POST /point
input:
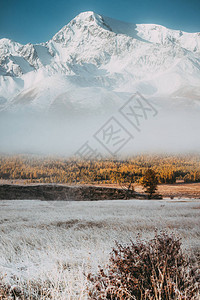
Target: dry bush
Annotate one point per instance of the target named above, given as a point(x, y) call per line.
point(157, 269)
point(8, 292)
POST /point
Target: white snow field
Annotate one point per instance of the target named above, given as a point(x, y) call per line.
point(54, 96)
point(52, 244)
point(96, 59)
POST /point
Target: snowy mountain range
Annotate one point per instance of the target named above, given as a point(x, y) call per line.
point(95, 62)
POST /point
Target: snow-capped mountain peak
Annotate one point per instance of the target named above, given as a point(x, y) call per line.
point(96, 53)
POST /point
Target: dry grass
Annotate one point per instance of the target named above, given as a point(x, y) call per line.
point(157, 269)
point(47, 247)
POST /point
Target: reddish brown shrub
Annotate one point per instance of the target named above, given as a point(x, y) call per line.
point(157, 269)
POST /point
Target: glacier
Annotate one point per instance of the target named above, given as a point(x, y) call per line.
point(96, 55)
point(55, 95)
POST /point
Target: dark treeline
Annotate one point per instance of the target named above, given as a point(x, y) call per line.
point(70, 171)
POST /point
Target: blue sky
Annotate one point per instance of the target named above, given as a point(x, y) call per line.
point(37, 21)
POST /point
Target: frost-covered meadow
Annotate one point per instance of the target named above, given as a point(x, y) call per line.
point(49, 246)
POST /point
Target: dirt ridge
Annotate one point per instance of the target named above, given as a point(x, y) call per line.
point(68, 193)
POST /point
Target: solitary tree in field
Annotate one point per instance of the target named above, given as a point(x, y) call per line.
point(150, 182)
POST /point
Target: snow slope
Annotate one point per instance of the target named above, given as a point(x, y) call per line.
point(95, 60)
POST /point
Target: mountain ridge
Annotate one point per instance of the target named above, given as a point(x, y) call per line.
point(98, 54)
